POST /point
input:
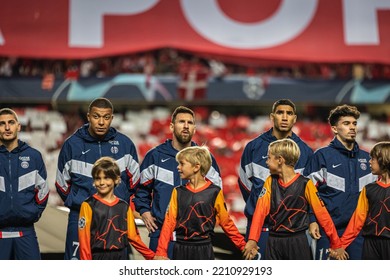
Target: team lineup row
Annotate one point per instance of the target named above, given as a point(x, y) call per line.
point(177, 190)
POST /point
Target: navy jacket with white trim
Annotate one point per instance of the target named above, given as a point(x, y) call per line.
point(254, 170)
point(23, 189)
point(339, 175)
point(80, 151)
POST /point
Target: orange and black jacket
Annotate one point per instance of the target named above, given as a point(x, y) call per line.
point(193, 214)
point(105, 226)
point(372, 214)
point(287, 206)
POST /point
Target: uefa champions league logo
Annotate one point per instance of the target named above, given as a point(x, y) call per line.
point(254, 87)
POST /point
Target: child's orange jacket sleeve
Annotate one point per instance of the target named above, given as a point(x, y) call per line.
point(262, 209)
point(227, 223)
point(84, 230)
point(168, 226)
point(357, 220)
point(134, 237)
point(322, 215)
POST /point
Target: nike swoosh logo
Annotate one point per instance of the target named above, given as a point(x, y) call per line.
point(84, 152)
point(264, 157)
point(164, 160)
point(336, 165)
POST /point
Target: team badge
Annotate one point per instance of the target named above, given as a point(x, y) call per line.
point(25, 159)
point(114, 150)
point(82, 223)
point(363, 166)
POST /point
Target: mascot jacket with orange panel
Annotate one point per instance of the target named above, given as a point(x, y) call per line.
point(159, 176)
point(254, 170)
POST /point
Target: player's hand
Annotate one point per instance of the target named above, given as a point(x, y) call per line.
point(314, 230)
point(149, 221)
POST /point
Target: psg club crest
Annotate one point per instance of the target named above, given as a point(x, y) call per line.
point(114, 149)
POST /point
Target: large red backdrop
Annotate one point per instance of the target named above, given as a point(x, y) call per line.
point(246, 30)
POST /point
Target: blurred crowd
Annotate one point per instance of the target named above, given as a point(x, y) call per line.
point(170, 61)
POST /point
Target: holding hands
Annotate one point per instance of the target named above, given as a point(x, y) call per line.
point(338, 254)
point(160, 258)
point(250, 250)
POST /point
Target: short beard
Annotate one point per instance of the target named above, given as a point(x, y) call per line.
point(8, 141)
point(181, 140)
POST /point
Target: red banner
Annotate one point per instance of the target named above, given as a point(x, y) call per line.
point(246, 31)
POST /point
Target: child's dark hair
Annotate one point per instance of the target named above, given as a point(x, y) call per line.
point(381, 151)
point(109, 167)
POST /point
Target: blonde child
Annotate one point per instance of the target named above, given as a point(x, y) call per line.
point(106, 223)
point(286, 198)
point(194, 210)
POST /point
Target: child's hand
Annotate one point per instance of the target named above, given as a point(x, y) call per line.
point(159, 258)
point(250, 250)
point(338, 254)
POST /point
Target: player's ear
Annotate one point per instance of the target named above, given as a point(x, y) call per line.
point(334, 129)
point(295, 119)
